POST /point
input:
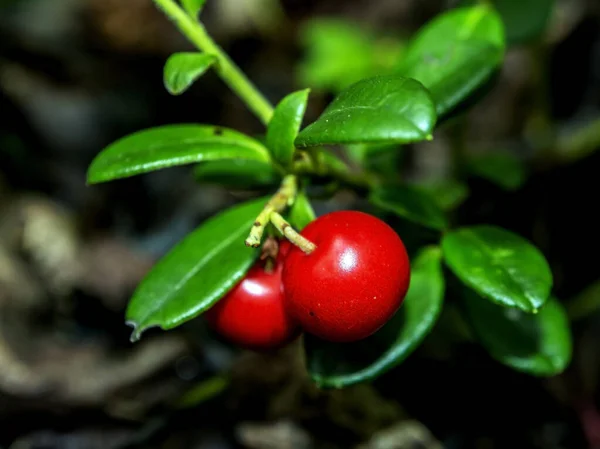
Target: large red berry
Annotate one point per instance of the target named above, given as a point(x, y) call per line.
point(352, 283)
point(252, 315)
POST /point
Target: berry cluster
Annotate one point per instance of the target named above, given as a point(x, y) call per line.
point(344, 290)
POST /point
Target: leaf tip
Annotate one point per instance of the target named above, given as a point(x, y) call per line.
point(92, 179)
point(136, 333)
point(172, 91)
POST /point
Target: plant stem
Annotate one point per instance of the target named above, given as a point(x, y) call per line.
point(319, 164)
point(226, 68)
point(283, 198)
point(286, 229)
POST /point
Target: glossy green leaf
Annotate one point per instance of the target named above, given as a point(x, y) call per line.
point(539, 344)
point(183, 69)
point(455, 54)
point(197, 272)
point(410, 203)
point(193, 7)
point(338, 53)
point(501, 168)
point(448, 194)
point(501, 266)
point(237, 173)
point(382, 109)
point(171, 145)
point(335, 365)
point(301, 212)
point(284, 126)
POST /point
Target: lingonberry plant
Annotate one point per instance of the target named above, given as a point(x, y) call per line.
point(347, 279)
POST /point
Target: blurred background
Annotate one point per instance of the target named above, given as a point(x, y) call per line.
point(77, 74)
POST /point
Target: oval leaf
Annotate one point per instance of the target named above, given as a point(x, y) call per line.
point(501, 168)
point(388, 108)
point(237, 173)
point(284, 126)
point(183, 69)
point(301, 212)
point(448, 194)
point(539, 344)
point(410, 203)
point(499, 265)
point(335, 365)
point(338, 53)
point(455, 54)
point(197, 272)
point(171, 145)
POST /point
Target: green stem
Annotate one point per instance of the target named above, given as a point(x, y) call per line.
point(286, 229)
point(283, 198)
point(226, 68)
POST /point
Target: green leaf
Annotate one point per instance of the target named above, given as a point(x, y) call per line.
point(501, 168)
point(197, 272)
point(171, 145)
point(183, 69)
point(410, 203)
point(361, 152)
point(577, 142)
point(338, 53)
point(524, 21)
point(382, 109)
point(499, 265)
point(335, 365)
point(448, 194)
point(383, 158)
point(193, 7)
point(284, 126)
point(301, 212)
point(539, 344)
point(586, 303)
point(328, 162)
point(455, 53)
point(237, 173)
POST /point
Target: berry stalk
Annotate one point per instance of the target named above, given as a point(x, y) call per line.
point(284, 197)
point(286, 229)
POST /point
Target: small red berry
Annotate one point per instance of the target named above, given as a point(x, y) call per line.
point(252, 315)
point(352, 283)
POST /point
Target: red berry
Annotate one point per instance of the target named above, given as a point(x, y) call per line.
point(352, 283)
point(252, 315)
